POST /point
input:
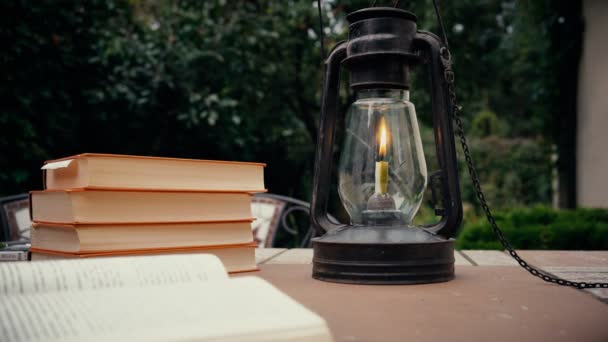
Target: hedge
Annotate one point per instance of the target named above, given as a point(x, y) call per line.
point(540, 228)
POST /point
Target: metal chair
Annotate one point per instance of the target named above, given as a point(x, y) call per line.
point(274, 217)
point(15, 218)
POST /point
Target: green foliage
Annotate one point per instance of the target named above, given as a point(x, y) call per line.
point(46, 77)
point(486, 123)
point(540, 228)
point(514, 172)
point(241, 80)
point(234, 80)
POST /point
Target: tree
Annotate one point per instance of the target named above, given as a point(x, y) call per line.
point(241, 80)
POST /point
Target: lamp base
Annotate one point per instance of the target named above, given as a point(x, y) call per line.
point(382, 255)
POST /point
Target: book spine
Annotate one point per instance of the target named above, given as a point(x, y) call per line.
point(13, 256)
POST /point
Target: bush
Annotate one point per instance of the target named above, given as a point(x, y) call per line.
point(213, 79)
point(241, 80)
point(540, 228)
point(514, 172)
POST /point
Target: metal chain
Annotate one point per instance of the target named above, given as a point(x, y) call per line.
point(457, 115)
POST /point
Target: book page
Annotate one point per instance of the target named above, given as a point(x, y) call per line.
point(241, 309)
point(96, 273)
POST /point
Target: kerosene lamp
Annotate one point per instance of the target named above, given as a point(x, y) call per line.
point(382, 172)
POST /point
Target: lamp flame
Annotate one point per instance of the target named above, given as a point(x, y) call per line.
point(383, 138)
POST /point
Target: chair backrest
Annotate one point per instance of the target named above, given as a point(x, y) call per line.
point(15, 217)
point(267, 212)
point(273, 216)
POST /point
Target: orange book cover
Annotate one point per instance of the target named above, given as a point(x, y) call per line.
point(85, 225)
point(92, 238)
point(142, 173)
point(209, 249)
point(140, 251)
point(133, 199)
point(150, 157)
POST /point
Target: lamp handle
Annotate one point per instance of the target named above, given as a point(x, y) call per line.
point(431, 47)
point(325, 142)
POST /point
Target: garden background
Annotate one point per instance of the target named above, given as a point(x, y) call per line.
point(241, 80)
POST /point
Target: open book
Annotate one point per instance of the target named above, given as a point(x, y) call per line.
point(155, 298)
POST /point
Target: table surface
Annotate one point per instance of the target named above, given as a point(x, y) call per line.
point(490, 298)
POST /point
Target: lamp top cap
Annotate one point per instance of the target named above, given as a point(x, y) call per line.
point(380, 12)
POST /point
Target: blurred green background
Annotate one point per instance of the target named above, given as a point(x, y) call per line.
point(241, 80)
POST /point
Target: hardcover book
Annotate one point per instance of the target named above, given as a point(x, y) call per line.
point(91, 171)
point(236, 258)
point(130, 206)
point(90, 238)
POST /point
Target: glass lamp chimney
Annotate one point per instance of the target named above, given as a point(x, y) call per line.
point(382, 171)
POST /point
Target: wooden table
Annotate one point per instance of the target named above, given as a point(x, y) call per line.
point(491, 299)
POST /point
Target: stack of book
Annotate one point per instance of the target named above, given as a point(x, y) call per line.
point(98, 205)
